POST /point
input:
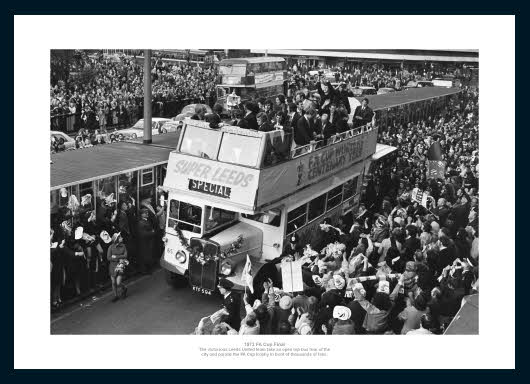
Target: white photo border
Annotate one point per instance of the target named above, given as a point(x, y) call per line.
point(493, 36)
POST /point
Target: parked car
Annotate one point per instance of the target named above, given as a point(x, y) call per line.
point(189, 111)
point(419, 84)
point(364, 91)
point(137, 130)
point(424, 83)
point(382, 91)
point(447, 82)
point(69, 142)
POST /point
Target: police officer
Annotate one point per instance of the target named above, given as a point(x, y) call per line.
point(230, 302)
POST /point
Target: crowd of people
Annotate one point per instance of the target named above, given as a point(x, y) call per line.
point(102, 238)
point(111, 91)
point(377, 75)
point(398, 266)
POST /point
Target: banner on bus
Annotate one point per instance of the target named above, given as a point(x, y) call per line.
point(212, 179)
point(283, 180)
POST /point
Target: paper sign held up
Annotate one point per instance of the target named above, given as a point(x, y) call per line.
point(292, 276)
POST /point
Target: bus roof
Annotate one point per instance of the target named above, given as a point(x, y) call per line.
point(83, 165)
point(252, 60)
point(411, 95)
point(381, 150)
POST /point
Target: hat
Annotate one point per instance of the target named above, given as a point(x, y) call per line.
point(286, 302)
point(381, 221)
point(63, 192)
point(384, 287)
point(86, 199)
point(115, 236)
point(110, 199)
point(104, 235)
point(342, 313)
point(226, 284)
point(339, 281)
point(256, 304)
point(359, 288)
point(277, 294)
point(253, 107)
point(410, 266)
point(78, 233)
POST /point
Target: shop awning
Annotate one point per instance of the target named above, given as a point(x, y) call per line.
point(366, 55)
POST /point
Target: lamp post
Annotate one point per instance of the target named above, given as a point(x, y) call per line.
point(148, 113)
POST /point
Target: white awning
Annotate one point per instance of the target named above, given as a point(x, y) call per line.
point(366, 55)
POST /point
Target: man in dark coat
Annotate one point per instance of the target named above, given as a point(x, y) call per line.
point(263, 124)
point(302, 132)
point(146, 235)
point(231, 303)
point(363, 114)
point(250, 116)
point(325, 129)
point(293, 116)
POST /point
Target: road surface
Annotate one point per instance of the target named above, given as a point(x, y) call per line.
point(152, 307)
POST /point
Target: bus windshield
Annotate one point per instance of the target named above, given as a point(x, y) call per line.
point(233, 69)
point(216, 218)
point(184, 216)
point(242, 150)
point(200, 142)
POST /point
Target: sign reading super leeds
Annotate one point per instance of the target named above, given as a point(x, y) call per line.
point(220, 180)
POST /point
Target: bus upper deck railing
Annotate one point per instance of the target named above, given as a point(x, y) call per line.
point(321, 144)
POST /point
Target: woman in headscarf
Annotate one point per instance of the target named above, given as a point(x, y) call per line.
point(117, 258)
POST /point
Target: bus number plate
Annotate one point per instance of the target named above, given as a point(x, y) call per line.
point(201, 290)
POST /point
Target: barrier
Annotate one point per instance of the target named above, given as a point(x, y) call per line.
point(70, 123)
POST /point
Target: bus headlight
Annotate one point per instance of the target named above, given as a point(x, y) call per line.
point(181, 257)
point(226, 268)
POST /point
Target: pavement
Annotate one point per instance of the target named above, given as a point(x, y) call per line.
point(152, 307)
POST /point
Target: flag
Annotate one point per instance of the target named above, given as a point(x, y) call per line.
point(419, 196)
point(247, 274)
point(435, 152)
point(435, 169)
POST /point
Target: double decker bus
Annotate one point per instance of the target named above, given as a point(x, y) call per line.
point(235, 192)
point(251, 78)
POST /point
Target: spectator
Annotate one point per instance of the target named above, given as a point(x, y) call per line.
point(117, 258)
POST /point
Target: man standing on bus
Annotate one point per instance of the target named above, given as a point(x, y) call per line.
point(363, 114)
point(250, 121)
point(303, 132)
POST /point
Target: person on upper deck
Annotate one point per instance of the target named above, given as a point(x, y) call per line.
point(250, 122)
point(324, 128)
point(363, 114)
point(303, 132)
point(263, 123)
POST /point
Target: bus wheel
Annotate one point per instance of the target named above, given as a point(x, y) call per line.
point(175, 280)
